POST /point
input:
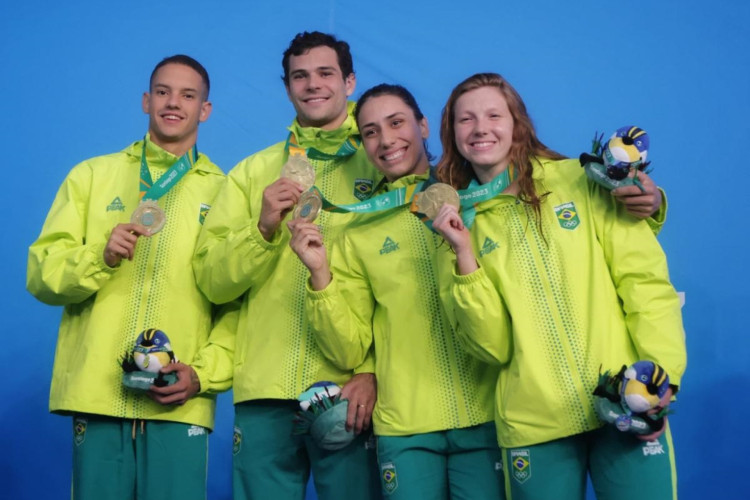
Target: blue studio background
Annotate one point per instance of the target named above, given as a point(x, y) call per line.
point(72, 78)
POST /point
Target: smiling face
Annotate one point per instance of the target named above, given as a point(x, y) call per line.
point(393, 137)
point(176, 105)
point(317, 88)
point(484, 131)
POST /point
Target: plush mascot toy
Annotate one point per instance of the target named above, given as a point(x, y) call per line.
point(152, 352)
point(323, 415)
point(625, 399)
point(609, 163)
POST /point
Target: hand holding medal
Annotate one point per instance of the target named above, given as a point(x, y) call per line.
point(445, 202)
point(299, 169)
point(121, 243)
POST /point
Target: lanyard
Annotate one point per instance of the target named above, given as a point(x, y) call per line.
point(348, 148)
point(150, 191)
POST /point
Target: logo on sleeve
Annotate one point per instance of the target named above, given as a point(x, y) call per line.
point(488, 246)
point(203, 213)
point(521, 465)
point(388, 246)
point(567, 215)
point(116, 205)
point(362, 188)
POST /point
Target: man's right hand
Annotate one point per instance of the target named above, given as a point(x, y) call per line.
point(121, 243)
point(278, 199)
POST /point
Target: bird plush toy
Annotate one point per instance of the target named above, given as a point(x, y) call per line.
point(609, 163)
point(152, 352)
point(626, 398)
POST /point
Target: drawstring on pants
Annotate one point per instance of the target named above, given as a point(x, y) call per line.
point(143, 427)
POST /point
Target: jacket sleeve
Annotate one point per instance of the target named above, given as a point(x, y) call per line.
point(368, 365)
point(214, 363)
point(231, 255)
point(658, 218)
point(477, 312)
point(341, 315)
point(638, 268)
point(63, 267)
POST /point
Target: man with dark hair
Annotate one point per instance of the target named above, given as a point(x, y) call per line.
point(243, 251)
point(190, 63)
point(115, 250)
point(303, 42)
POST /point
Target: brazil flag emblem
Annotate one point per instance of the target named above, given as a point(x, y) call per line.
point(567, 215)
point(362, 188)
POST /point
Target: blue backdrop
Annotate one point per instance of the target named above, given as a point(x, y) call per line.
point(72, 77)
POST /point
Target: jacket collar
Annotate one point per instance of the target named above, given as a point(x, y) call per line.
point(327, 141)
point(538, 166)
point(401, 182)
point(158, 157)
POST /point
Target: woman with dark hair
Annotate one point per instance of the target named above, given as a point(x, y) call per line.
point(554, 281)
point(434, 413)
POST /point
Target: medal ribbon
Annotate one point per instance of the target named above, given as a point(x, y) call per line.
point(348, 148)
point(385, 201)
point(469, 198)
point(150, 191)
point(475, 193)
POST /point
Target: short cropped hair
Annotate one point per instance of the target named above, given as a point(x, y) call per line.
point(185, 61)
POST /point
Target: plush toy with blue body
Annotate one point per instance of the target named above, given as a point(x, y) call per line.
point(609, 163)
point(625, 399)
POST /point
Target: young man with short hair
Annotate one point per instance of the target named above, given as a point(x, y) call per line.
point(244, 251)
point(120, 278)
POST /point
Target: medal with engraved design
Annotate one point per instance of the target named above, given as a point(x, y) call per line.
point(150, 215)
point(298, 169)
point(434, 197)
point(308, 207)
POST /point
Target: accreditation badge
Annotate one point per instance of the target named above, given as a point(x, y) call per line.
point(149, 214)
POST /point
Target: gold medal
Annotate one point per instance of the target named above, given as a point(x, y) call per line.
point(150, 215)
point(298, 169)
point(434, 197)
point(308, 207)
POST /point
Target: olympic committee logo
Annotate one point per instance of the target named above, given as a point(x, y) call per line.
point(236, 440)
point(203, 212)
point(520, 465)
point(79, 430)
point(389, 477)
point(362, 188)
point(567, 215)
